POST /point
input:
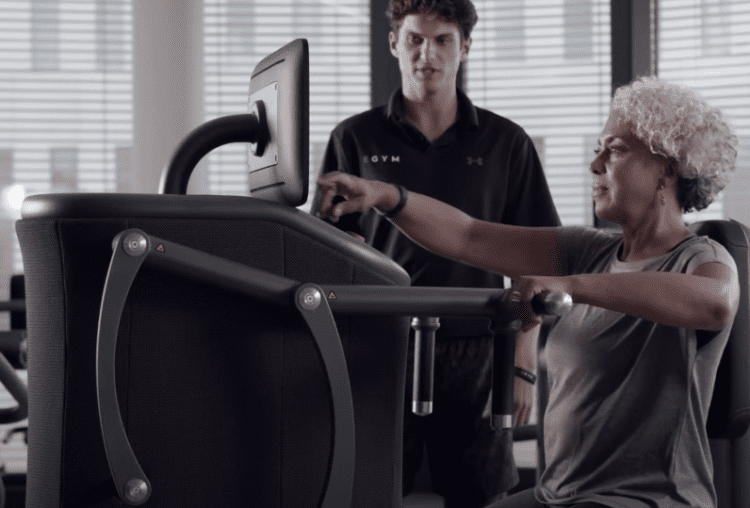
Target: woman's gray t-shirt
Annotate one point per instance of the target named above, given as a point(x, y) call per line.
point(628, 398)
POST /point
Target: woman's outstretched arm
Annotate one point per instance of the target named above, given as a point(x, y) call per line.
point(447, 231)
point(707, 299)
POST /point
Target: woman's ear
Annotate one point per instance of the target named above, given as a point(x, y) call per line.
point(671, 170)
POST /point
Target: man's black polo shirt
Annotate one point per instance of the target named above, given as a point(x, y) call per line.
point(484, 164)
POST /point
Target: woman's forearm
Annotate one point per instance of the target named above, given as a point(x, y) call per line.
point(685, 301)
point(434, 225)
point(449, 232)
point(526, 348)
point(446, 230)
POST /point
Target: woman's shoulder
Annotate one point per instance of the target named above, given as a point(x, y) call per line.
point(703, 249)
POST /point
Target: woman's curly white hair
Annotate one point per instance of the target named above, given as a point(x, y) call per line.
point(681, 127)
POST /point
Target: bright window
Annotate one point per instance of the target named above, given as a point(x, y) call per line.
point(546, 66)
point(65, 118)
point(239, 33)
point(705, 44)
point(65, 101)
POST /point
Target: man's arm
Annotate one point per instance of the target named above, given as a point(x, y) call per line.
point(336, 158)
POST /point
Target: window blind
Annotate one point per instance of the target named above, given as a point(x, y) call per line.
point(239, 33)
point(705, 45)
point(546, 66)
point(65, 100)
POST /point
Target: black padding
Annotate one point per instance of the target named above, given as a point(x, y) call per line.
point(729, 414)
point(17, 292)
point(223, 398)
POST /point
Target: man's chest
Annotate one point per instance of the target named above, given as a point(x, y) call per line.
point(465, 173)
point(390, 157)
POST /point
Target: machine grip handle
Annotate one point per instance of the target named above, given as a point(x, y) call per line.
point(424, 364)
point(504, 356)
point(555, 304)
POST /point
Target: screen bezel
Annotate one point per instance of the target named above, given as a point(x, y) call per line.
point(287, 180)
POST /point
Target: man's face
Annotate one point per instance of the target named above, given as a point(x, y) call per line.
point(429, 51)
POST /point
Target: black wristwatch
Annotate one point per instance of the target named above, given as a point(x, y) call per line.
point(403, 198)
point(526, 375)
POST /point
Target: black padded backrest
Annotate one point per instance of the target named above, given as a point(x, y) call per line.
point(729, 414)
point(223, 398)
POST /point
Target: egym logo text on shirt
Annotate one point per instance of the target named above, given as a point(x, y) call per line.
point(380, 158)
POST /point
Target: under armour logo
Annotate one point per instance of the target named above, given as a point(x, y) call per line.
point(479, 161)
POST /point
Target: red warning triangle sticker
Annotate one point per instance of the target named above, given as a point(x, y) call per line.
point(332, 296)
point(160, 248)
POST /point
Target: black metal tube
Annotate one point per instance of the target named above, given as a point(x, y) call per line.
point(244, 128)
point(504, 353)
point(414, 300)
point(424, 364)
point(14, 305)
point(221, 272)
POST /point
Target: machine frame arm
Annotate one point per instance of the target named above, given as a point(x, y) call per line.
point(133, 247)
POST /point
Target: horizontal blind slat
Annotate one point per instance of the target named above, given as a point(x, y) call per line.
point(705, 45)
point(237, 36)
point(548, 71)
point(65, 96)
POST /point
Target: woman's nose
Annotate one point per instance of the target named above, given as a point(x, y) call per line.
point(597, 166)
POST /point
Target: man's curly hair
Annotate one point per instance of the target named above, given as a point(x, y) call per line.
point(692, 136)
point(458, 11)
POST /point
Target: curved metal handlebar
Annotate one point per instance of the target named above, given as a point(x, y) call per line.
point(243, 128)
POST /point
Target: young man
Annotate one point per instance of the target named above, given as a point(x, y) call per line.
point(431, 139)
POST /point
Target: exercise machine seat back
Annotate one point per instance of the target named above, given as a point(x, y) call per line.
point(223, 397)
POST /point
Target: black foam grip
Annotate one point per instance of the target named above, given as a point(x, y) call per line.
point(504, 353)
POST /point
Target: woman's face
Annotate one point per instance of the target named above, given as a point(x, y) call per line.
point(625, 175)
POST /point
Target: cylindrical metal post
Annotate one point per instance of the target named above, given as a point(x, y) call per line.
point(424, 363)
point(504, 353)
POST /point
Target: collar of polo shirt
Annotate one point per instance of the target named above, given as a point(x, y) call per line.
point(466, 119)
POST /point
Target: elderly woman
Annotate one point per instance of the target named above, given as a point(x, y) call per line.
point(632, 366)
